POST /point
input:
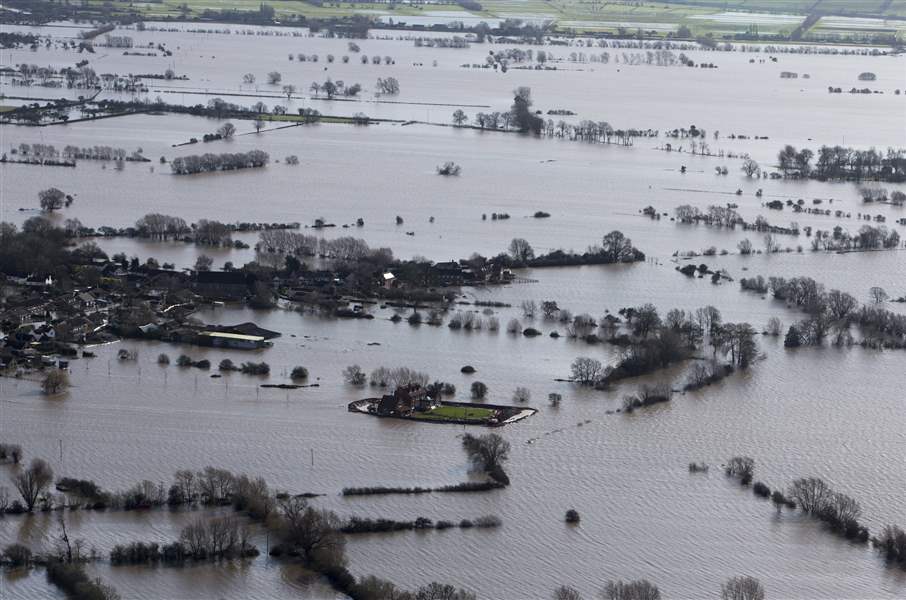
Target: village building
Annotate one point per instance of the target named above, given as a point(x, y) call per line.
point(405, 400)
point(233, 285)
point(239, 341)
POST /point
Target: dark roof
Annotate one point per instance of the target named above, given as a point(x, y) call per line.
point(222, 278)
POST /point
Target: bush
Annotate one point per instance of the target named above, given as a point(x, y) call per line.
point(300, 373)
point(252, 368)
point(479, 390)
point(521, 394)
point(742, 467)
point(54, 382)
point(12, 452)
point(163, 359)
point(760, 489)
point(72, 579)
point(17, 555)
point(354, 375)
point(572, 516)
point(415, 318)
point(514, 327)
point(488, 521)
point(183, 361)
point(227, 365)
point(202, 364)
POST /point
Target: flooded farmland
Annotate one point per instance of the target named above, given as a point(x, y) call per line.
point(828, 411)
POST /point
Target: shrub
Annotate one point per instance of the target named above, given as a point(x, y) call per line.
point(202, 364)
point(572, 516)
point(183, 361)
point(760, 489)
point(17, 555)
point(479, 390)
point(892, 542)
point(631, 590)
point(55, 382)
point(300, 373)
point(163, 359)
point(488, 521)
point(12, 452)
point(521, 394)
point(698, 467)
point(252, 368)
point(742, 467)
point(415, 318)
point(72, 579)
point(354, 375)
point(227, 365)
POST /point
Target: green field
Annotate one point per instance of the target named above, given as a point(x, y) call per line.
point(445, 413)
point(718, 17)
point(172, 8)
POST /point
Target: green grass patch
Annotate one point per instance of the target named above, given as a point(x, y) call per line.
point(446, 413)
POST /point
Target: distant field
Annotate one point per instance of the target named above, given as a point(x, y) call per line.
point(172, 8)
point(719, 17)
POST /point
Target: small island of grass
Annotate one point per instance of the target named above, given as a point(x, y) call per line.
point(412, 402)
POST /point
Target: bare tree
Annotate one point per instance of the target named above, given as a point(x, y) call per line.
point(750, 168)
point(289, 90)
point(51, 199)
point(55, 382)
point(315, 533)
point(742, 467)
point(522, 394)
point(878, 295)
point(528, 309)
point(259, 125)
point(617, 247)
point(521, 250)
point(487, 452)
point(587, 370)
point(742, 588)
point(840, 304)
point(460, 118)
point(631, 590)
point(811, 494)
point(227, 130)
point(354, 375)
point(33, 481)
point(565, 592)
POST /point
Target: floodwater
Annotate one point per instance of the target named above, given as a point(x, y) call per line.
point(833, 413)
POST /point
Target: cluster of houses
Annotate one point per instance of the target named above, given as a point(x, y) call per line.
point(41, 318)
point(107, 300)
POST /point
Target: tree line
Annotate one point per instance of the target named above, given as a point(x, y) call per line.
point(844, 163)
point(228, 161)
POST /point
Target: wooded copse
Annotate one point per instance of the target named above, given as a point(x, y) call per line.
point(228, 161)
point(842, 163)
